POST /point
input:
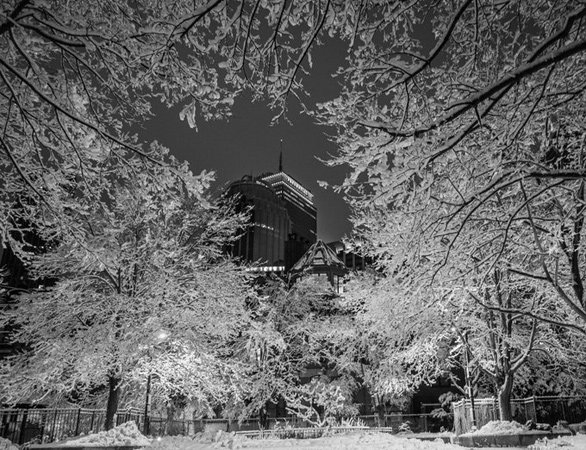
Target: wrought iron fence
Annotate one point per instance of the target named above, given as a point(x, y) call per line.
point(300, 433)
point(539, 409)
point(550, 409)
point(395, 422)
point(43, 425)
point(49, 425)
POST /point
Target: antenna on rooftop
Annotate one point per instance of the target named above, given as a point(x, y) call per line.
point(281, 157)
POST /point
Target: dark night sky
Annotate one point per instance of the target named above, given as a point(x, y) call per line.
point(247, 144)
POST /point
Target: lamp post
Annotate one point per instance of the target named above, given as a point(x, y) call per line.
point(161, 337)
point(467, 380)
point(145, 431)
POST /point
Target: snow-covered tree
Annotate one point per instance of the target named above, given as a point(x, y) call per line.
point(299, 345)
point(462, 122)
point(443, 73)
point(465, 147)
point(413, 334)
point(470, 139)
point(400, 342)
point(439, 235)
point(141, 256)
point(473, 81)
point(183, 377)
point(73, 72)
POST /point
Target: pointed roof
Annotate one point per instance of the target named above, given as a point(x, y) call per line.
point(320, 259)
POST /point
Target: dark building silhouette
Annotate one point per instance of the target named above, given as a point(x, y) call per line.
point(264, 240)
point(284, 220)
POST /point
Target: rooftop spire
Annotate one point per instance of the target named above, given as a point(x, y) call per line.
point(281, 157)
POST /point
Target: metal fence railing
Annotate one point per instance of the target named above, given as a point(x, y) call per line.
point(538, 409)
point(394, 422)
point(49, 425)
point(44, 425)
point(300, 433)
point(550, 409)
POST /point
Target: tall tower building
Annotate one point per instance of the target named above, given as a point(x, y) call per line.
point(302, 212)
point(284, 220)
point(264, 240)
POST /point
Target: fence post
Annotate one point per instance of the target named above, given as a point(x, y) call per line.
point(77, 421)
point(43, 425)
point(496, 411)
point(52, 435)
point(22, 427)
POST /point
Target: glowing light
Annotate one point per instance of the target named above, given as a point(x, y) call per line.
point(266, 269)
point(282, 178)
point(162, 335)
point(262, 225)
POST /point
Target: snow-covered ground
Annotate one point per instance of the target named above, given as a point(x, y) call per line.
point(358, 440)
point(125, 434)
point(5, 444)
point(355, 441)
point(128, 434)
point(570, 442)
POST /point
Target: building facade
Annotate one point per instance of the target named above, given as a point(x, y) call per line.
point(352, 260)
point(320, 260)
point(302, 212)
point(283, 224)
point(263, 242)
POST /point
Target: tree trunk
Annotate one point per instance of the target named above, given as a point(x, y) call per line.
point(281, 407)
point(381, 412)
point(169, 425)
point(263, 418)
point(504, 394)
point(112, 405)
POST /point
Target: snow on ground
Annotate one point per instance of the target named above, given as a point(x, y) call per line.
point(125, 434)
point(128, 434)
point(6, 444)
point(569, 442)
point(354, 441)
point(359, 440)
point(499, 427)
